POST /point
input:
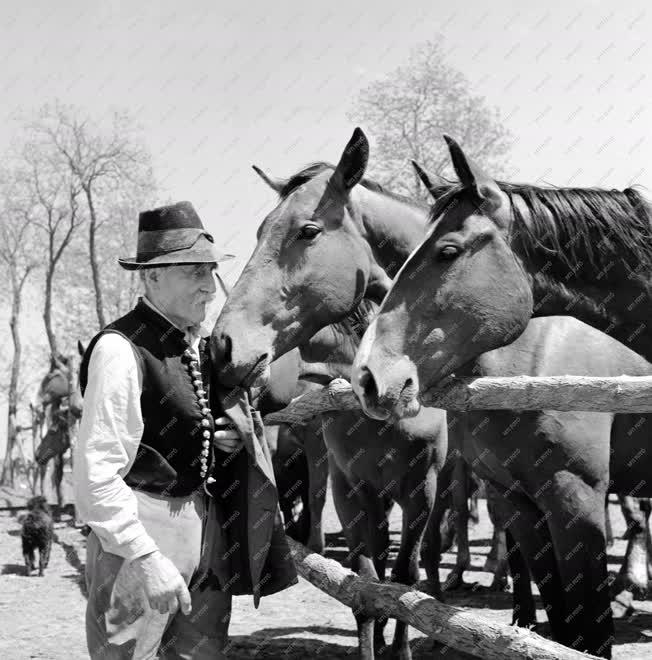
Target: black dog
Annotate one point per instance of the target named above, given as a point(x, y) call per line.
point(37, 533)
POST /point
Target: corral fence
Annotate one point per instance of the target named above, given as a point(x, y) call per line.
point(449, 625)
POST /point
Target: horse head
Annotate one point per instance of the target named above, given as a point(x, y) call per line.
point(317, 256)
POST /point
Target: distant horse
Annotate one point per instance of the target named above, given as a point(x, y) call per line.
point(450, 303)
point(59, 406)
point(298, 296)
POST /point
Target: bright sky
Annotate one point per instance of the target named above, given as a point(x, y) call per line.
point(218, 86)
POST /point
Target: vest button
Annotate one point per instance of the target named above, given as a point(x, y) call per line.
point(207, 434)
point(195, 373)
point(205, 411)
point(202, 401)
point(197, 383)
point(205, 423)
point(200, 393)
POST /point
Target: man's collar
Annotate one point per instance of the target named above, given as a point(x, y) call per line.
point(190, 337)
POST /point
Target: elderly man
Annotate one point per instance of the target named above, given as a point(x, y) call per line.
point(172, 475)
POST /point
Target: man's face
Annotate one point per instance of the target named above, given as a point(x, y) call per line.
point(186, 291)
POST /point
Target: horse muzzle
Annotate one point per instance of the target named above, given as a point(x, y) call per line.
point(384, 398)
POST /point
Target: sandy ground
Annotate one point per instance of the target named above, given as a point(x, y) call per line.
point(44, 617)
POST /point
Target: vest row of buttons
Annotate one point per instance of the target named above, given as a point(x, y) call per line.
point(198, 384)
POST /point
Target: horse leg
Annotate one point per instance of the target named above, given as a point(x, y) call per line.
point(632, 578)
point(460, 504)
point(497, 562)
point(609, 532)
point(317, 457)
point(352, 519)
point(431, 544)
point(42, 469)
point(417, 499)
point(524, 611)
point(529, 530)
point(576, 523)
point(442, 517)
point(57, 479)
point(474, 496)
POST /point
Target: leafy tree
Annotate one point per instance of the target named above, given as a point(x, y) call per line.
point(409, 110)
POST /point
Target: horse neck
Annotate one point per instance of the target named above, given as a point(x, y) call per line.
point(393, 228)
point(617, 304)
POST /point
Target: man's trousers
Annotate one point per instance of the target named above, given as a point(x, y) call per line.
point(119, 622)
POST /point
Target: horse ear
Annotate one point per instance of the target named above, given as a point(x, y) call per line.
point(353, 162)
point(80, 348)
point(275, 184)
point(435, 184)
point(471, 175)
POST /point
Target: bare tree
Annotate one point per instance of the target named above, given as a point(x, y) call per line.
point(18, 260)
point(106, 163)
point(408, 111)
point(54, 203)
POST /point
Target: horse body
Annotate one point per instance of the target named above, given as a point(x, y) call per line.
point(330, 243)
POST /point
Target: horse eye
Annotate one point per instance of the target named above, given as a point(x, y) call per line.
point(448, 253)
point(309, 231)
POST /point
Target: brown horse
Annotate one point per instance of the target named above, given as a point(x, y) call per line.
point(298, 294)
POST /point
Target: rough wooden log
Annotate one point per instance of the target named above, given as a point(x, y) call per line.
point(453, 626)
point(624, 394)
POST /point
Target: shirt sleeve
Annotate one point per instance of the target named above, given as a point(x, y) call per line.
point(109, 434)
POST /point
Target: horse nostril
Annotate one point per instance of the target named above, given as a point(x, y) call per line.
point(368, 384)
point(222, 346)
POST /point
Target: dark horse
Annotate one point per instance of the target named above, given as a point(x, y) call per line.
point(428, 326)
point(372, 464)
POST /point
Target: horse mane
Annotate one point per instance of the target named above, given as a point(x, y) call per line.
point(577, 224)
point(310, 171)
point(357, 322)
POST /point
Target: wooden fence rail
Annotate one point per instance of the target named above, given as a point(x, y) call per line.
point(624, 394)
point(461, 630)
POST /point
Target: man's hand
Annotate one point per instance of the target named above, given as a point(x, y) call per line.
point(164, 586)
point(227, 438)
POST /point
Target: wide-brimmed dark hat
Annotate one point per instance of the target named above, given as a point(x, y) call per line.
point(173, 235)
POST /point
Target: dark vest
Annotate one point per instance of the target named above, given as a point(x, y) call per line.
point(174, 404)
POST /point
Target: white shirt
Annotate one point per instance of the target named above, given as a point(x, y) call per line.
point(110, 432)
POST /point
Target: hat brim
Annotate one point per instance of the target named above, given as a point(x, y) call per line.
point(205, 254)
